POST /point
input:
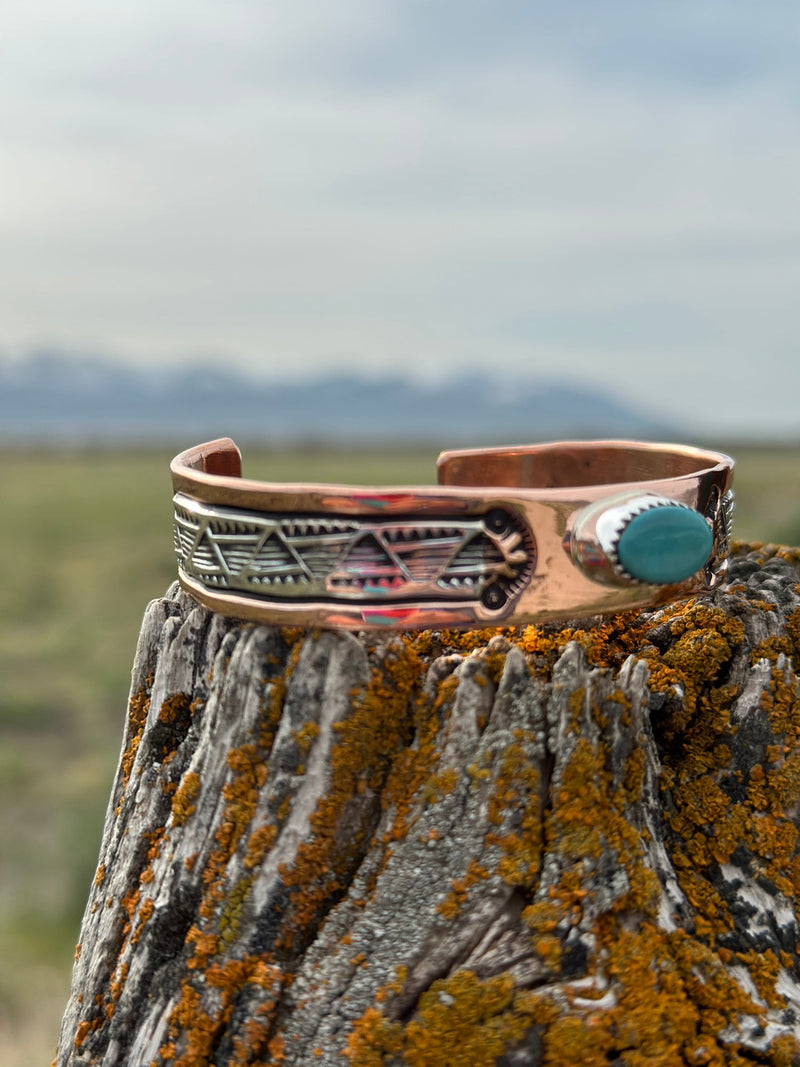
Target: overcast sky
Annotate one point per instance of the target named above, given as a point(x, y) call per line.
point(608, 192)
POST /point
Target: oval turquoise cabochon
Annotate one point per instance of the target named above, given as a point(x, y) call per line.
point(665, 544)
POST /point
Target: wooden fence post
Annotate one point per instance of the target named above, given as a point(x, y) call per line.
point(569, 845)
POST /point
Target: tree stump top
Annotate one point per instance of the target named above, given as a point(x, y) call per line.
point(548, 845)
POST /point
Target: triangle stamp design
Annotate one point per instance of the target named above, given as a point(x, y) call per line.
point(487, 557)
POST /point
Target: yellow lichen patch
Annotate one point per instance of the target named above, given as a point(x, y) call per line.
point(463, 641)
point(543, 916)
point(231, 914)
point(775, 841)
point(709, 826)
point(588, 820)
point(633, 783)
point(440, 785)
point(713, 916)
point(545, 644)
point(183, 801)
point(706, 640)
point(118, 982)
point(578, 830)
point(548, 949)
point(413, 766)
point(772, 647)
point(293, 636)
point(219, 912)
point(366, 742)
point(277, 1050)
point(464, 1021)
point(461, 1021)
point(785, 1051)
point(241, 794)
point(729, 832)
point(515, 799)
point(373, 1039)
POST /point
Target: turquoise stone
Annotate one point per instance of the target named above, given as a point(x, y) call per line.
point(665, 545)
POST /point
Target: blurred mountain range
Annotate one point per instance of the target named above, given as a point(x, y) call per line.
point(52, 397)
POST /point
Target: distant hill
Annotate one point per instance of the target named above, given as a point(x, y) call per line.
point(57, 398)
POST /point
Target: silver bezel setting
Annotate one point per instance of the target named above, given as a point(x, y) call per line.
point(612, 524)
point(593, 541)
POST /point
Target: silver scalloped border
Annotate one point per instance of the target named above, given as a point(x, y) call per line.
point(625, 513)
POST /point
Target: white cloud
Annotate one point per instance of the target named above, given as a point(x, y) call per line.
point(324, 184)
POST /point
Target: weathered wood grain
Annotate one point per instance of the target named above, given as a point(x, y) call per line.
point(541, 846)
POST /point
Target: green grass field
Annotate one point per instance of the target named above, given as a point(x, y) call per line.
point(85, 543)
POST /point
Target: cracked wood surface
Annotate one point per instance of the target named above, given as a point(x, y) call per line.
point(492, 849)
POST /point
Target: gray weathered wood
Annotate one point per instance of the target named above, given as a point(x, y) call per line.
point(533, 847)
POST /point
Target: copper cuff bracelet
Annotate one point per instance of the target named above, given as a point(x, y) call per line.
point(509, 536)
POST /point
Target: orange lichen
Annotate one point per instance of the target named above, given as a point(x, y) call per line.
point(88, 1026)
point(199, 1029)
point(183, 805)
point(174, 708)
point(205, 945)
point(366, 742)
point(440, 784)
point(450, 907)
point(516, 799)
point(669, 1002)
point(673, 995)
point(277, 1049)
point(414, 766)
point(785, 1051)
point(116, 985)
point(129, 903)
point(305, 737)
point(241, 792)
point(145, 914)
point(460, 1021)
point(793, 632)
point(138, 707)
point(764, 968)
point(259, 843)
point(659, 997)
point(220, 909)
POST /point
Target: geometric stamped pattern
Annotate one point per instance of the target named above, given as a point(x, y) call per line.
point(488, 558)
point(719, 513)
point(726, 524)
